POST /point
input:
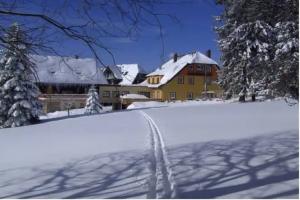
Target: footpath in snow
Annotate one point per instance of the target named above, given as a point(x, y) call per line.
point(189, 150)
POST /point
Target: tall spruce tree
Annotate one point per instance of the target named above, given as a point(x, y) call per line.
point(18, 94)
point(246, 56)
point(286, 80)
point(259, 47)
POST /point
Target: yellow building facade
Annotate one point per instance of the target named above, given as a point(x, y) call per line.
point(186, 90)
point(192, 76)
point(187, 84)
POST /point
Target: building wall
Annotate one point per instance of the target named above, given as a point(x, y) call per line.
point(157, 94)
point(191, 85)
point(58, 102)
point(57, 97)
point(110, 93)
point(187, 91)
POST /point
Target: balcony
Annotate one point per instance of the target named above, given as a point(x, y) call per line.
point(63, 96)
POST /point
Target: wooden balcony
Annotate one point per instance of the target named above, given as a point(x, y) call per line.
point(63, 96)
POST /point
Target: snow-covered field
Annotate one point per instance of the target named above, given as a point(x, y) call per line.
point(72, 113)
point(185, 150)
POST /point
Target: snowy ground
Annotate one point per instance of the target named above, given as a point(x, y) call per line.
point(182, 150)
point(72, 113)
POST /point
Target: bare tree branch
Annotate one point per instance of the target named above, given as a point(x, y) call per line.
point(89, 22)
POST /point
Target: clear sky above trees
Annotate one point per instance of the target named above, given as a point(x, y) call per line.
point(193, 31)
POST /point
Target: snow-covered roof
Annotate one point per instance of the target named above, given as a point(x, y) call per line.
point(134, 96)
point(169, 69)
point(67, 70)
point(126, 72)
point(129, 73)
point(116, 71)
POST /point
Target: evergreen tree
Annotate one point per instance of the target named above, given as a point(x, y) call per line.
point(93, 105)
point(18, 94)
point(259, 44)
point(245, 55)
point(4, 102)
point(286, 80)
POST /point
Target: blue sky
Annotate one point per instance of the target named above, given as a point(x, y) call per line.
point(194, 32)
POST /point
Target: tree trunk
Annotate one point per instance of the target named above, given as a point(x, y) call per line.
point(253, 98)
point(242, 98)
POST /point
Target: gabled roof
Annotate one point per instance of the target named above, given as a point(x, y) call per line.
point(67, 70)
point(169, 69)
point(129, 73)
point(126, 72)
point(115, 70)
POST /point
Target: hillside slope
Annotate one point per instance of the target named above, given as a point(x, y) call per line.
point(227, 150)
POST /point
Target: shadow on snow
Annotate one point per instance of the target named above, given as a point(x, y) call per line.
point(259, 167)
point(116, 175)
point(248, 168)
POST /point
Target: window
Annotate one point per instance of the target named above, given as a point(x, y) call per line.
point(208, 69)
point(157, 79)
point(180, 80)
point(172, 95)
point(191, 69)
point(157, 94)
point(106, 94)
point(200, 69)
point(189, 95)
point(115, 94)
point(191, 80)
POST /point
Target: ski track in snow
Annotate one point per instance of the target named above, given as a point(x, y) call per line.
point(161, 177)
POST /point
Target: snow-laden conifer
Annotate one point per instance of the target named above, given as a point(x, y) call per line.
point(245, 57)
point(259, 45)
point(93, 105)
point(286, 79)
point(18, 94)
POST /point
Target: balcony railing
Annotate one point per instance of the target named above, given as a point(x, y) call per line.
point(63, 96)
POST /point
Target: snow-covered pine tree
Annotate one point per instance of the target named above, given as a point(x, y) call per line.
point(4, 103)
point(275, 56)
point(245, 57)
point(286, 79)
point(19, 95)
point(93, 105)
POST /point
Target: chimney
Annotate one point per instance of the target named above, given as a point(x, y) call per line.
point(208, 53)
point(175, 57)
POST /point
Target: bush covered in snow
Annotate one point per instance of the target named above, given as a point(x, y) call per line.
point(93, 105)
